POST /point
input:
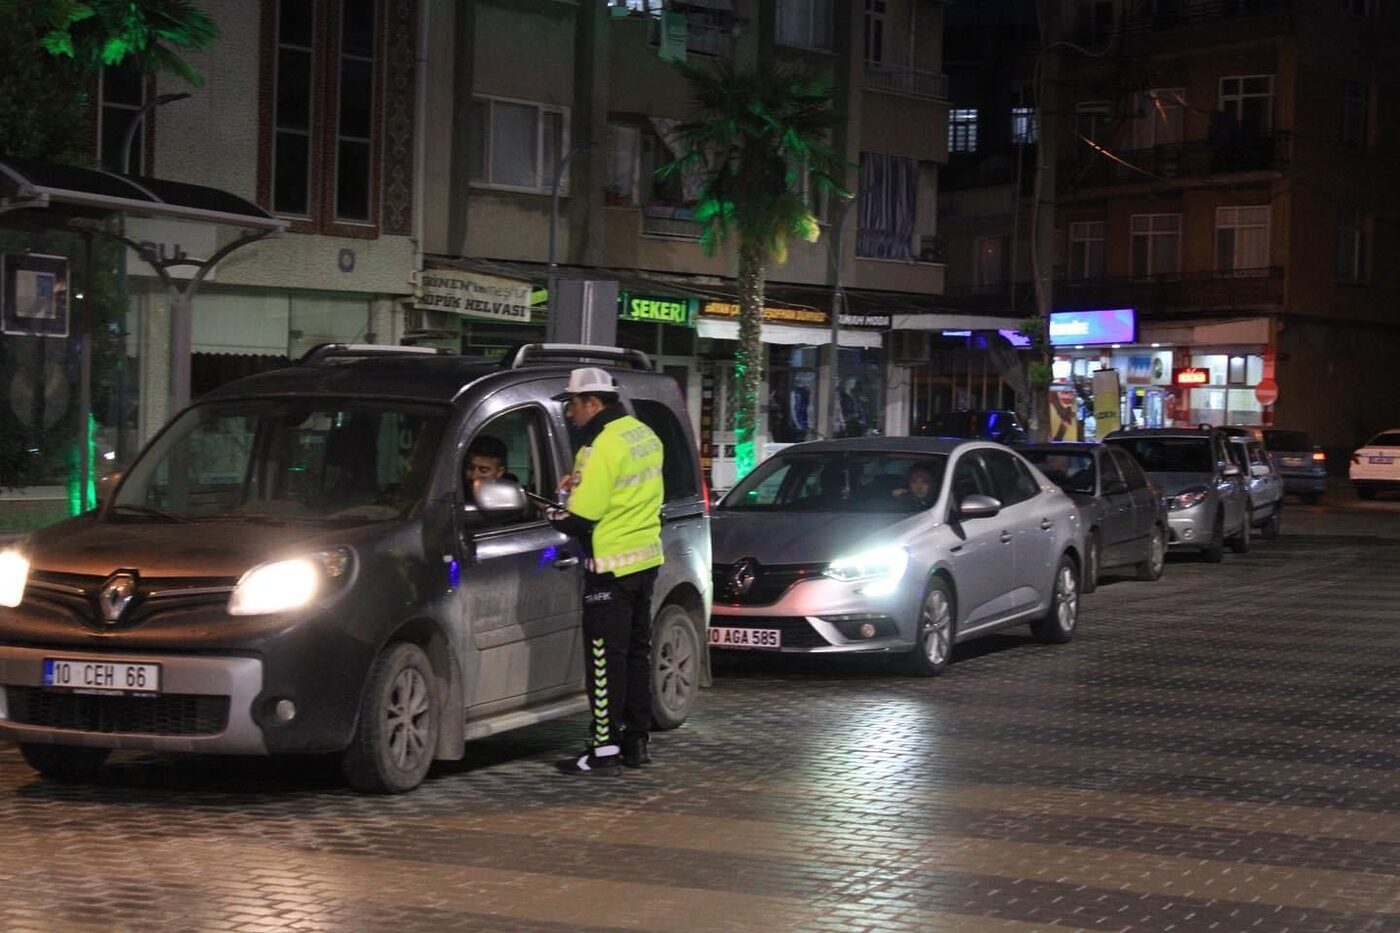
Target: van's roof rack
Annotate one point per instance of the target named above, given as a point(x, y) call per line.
point(327, 350)
point(536, 353)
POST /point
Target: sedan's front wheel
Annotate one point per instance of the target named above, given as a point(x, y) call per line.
point(933, 646)
point(1151, 569)
point(1059, 622)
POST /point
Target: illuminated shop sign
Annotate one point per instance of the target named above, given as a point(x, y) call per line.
point(776, 314)
point(1015, 338)
point(655, 308)
point(1191, 376)
point(1093, 328)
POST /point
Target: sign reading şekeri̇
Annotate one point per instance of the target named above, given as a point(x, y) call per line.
point(473, 294)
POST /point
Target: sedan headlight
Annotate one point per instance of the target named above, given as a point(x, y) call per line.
point(284, 585)
point(1187, 498)
point(882, 567)
point(14, 574)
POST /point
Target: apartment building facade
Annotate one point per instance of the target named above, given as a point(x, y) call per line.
point(1220, 170)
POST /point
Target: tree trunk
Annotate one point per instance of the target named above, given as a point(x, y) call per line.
point(748, 362)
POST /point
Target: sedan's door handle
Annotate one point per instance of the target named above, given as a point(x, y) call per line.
point(1046, 524)
point(564, 563)
point(1006, 537)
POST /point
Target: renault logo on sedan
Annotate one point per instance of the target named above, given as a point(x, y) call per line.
point(742, 576)
point(116, 594)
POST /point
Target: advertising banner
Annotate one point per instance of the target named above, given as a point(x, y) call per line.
point(1093, 328)
point(1108, 403)
point(35, 295)
point(474, 295)
point(1064, 420)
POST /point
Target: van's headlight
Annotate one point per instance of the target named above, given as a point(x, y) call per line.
point(882, 567)
point(284, 585)
point(1187, 498)
point(14, 574)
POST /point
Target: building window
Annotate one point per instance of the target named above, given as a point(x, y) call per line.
point(1086, 250)
point(875, 30)
point(1093, 121)
point(1157, 118)
point(354, 111)
point(624, 151)
point(804, 24)
point(1365, 9)
point(1156, 244)
point(1025, 126)
point(1356, 112)
point(813, 195)
point(887, 207)
point(1242, 240)
point(1351, 245)
point(123, 96)
point(989, 261)
point(517, 145)
point(962, 129)
point(1249, 99)
point(293, 110)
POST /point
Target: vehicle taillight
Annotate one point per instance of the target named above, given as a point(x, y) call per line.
point(1356, 457)
point(1319, 456)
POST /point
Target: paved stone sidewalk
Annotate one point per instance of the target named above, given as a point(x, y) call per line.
point(1217, 751)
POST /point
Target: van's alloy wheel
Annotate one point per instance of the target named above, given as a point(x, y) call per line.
point(1151, 569)
point(1092, 555)
point(64, 761)
point(675, 666)
point(1060, 620)
point(396, 737)
point(1214, 552)
point(1240, 543)
point(933, 645)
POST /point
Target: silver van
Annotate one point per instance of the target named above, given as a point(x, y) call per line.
point(299, 563)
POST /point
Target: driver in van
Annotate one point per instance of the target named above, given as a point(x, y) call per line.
point(486, 459)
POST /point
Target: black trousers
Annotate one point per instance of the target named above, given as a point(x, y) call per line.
point(617, 653)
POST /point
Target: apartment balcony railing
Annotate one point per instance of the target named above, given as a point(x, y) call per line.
point(1192, 159)
point(674, 223)
point(903, 79)
point(1159, 15)
point(700, 38)
point(1246, 288)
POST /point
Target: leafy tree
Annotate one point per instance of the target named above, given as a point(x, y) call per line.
point(148, 33)
point(751, 138)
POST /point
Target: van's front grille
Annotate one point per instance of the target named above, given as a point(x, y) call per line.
point(167, 714)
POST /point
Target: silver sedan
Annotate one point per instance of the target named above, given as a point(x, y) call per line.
point(904, 545)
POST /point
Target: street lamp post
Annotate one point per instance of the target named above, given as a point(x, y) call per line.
point(559, 169)
point(136, 122)
point(838, 303)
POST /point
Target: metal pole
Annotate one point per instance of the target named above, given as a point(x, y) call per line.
point(140, 119)
point(838, 303)
point(559, 170)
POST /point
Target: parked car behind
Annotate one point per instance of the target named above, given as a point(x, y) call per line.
point(300, 562)
point(1295, 458)
point(1204, 489)
point(997, 425)
point(1125, 517)
point(1375, 466)
point(1263, 487)
point(896, 545)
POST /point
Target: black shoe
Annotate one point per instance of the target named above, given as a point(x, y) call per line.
point(635, 753)
point(591, 764)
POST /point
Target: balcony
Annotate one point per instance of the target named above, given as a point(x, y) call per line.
point(1217, 291)
point(700, 38)
point(1192, 159)
point(1161, 15)
point(673, 223)
point(902, 79)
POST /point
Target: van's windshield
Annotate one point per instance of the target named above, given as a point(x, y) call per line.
point(338, 461)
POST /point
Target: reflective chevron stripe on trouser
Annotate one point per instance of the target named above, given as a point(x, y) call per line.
point(598, 692)
point(617, 649)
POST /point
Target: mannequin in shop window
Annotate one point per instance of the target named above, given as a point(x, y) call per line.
point(852, 409)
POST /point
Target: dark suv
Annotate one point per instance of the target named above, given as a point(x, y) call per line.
point(299, 563)
point(1207, 504)
point(990, 425)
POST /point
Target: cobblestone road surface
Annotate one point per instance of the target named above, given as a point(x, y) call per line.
point(1217, 751)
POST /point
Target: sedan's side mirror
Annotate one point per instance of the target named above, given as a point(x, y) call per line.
point(1230, 471)
point(105, 484)
point(978, 507)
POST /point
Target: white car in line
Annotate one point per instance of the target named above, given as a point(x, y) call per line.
point(1375, 467)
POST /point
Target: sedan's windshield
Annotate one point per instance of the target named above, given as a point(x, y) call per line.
point(1287, 440)
point(1072, 471)
point(325, 460)
point(1388, 439)
point(846, 481)
point(1169, 454)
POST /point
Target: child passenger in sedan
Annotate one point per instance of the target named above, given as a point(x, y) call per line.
point(918, 492)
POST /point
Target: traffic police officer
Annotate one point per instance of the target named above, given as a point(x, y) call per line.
point(614, 507)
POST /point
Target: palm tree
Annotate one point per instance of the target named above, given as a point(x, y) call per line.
point(148, 34)
point(753, 137)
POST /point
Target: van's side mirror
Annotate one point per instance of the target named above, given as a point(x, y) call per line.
point(1260, 469)
point(106, 484)
point(1230, 471)
point(978, 507)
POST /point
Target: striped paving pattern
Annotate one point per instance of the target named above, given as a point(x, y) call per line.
point(1218, 751)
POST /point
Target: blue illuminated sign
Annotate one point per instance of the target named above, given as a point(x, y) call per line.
point(1015, 338)
point(1093, 328)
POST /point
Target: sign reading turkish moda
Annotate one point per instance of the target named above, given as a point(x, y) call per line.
point(473, 294)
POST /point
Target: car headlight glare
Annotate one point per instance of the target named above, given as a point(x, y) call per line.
point(1187, 499)
point(14, 574)
point(882, 567)
point(284, 585)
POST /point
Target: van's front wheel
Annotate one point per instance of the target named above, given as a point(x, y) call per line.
point(397, 734)
point(675, 666)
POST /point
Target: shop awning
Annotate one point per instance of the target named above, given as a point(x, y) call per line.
point(788, 334)
point(30, 183)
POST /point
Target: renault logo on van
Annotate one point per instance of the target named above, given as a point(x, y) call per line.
point(116, 594)
point(741, 577)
